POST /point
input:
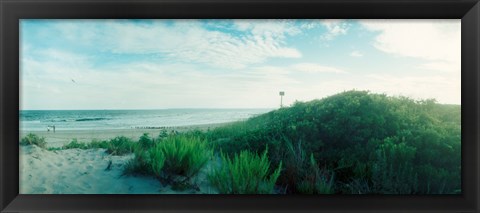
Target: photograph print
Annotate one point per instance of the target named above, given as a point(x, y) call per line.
point(226, 106)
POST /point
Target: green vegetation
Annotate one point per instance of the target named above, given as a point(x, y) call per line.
point(360, 142)
point(184, 155)
point(32, 139)
point(145, 142)
point(353, 142)
point(74, 144)
point(245, 174)
point(173, 159)
point(117, 146)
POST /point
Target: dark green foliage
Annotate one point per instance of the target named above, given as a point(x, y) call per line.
point(145, 142)
point(157, 160)
point(184, 155)
point(163, 134)
point(247, 173)
point(364, 139)
point(393, 170)
point(32, 139)
point(140, 164)
point(74, 144)
point(175, 155)
point(118, 146)
point(316, 181)
point(302, 174)
point(98, 144)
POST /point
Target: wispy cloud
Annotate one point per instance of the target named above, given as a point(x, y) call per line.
point(188, 41)
point(356, 54)
point(335, 27)
point(316, 68)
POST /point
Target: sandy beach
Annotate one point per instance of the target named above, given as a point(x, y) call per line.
point(77, 171)
point(62, 137)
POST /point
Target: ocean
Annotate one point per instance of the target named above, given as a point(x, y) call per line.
point(39, 120)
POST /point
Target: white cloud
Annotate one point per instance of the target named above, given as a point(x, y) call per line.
point(335, 27)
point(445, 89)
point(267, 28)
point(443, 66)
point(436, 41)
point(315, 68)
point(356, 54)
point(187, 41)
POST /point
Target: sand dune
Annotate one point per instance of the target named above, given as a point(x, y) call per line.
point(76, 171)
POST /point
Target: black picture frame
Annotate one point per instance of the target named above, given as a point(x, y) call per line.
point(12, 11)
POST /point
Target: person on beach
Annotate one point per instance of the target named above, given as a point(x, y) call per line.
point(53, 128)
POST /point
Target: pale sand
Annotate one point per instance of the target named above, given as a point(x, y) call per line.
point(76, 171)
point(62, 137)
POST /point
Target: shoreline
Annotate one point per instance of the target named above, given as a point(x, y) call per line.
point(62, 137)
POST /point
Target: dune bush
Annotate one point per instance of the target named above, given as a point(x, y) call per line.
point(32, 139)
point(120, 145)
point(357, 136)
point(175, 155)
point(146, 142)
point(74, 144)
point(246, 173)
point(184, 155)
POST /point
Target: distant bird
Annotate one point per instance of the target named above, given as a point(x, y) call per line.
point(73, 81)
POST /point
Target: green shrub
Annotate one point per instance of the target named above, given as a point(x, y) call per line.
point(119, 146)
point(140, 164)
point(176, 155)
point(247, 173)
point(74, 144)
point(157, 160)
point(316, 181)
point(296, 166)
point(344, 133)
point(393, 170)
point(145, 142)
point(184, 155)
point(32, 139)
point(98, 144)
point(163, 134)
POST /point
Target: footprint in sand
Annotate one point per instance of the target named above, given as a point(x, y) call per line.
point(59, 164)
point(89, 167)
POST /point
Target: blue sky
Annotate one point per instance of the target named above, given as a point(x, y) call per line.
point(156, 64)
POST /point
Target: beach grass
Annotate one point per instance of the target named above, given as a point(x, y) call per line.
point(119, 145)
point(170, 158)
point(32, 139)
point(245, 173)
point(184, 155)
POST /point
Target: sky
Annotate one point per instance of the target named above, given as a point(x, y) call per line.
point(158, 64)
